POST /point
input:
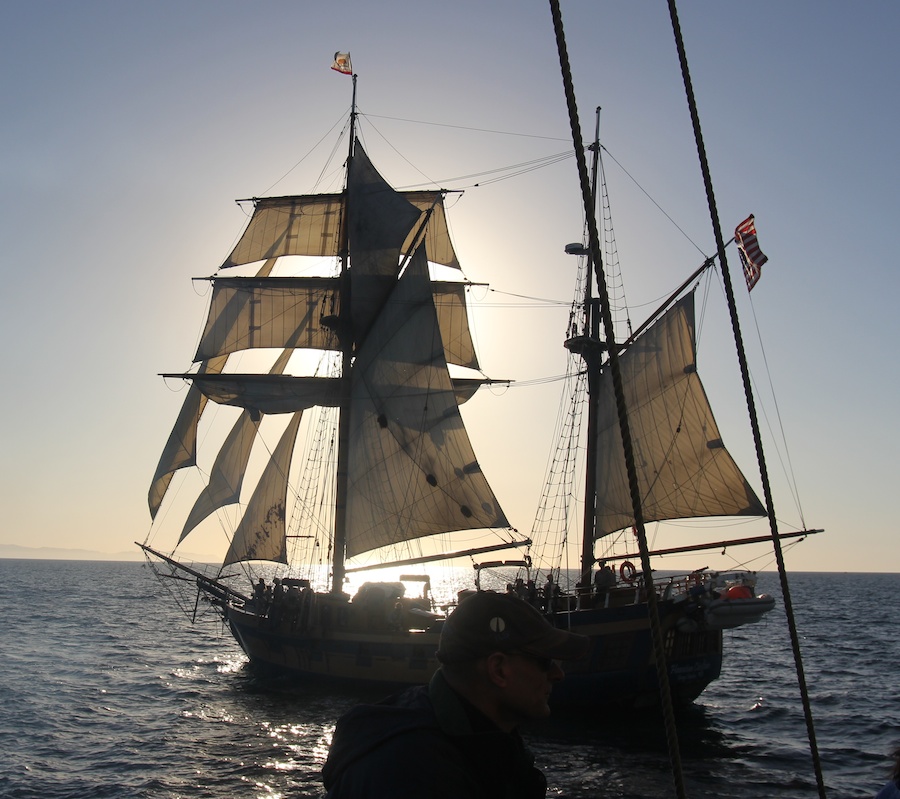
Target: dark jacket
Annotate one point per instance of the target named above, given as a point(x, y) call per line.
point(428, 742)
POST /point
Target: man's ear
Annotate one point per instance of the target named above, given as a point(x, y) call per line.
point(497, 667)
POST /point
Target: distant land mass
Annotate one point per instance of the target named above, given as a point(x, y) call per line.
point(15, 551)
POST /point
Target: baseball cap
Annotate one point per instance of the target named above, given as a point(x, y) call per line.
point(488, 622)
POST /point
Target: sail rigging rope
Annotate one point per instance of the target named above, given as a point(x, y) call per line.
point(501, 173)
point(751, 408)
point(532, 301)
point(504, 173)
point(785, 459)
point(650, 197)
point(588, 201)
point(309, 152)
point(465, 127)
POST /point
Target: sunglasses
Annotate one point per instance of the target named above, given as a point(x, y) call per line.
point(543, 663)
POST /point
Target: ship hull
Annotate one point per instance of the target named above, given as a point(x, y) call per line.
point(620, 667)
point(619, 670)
point(335, 652)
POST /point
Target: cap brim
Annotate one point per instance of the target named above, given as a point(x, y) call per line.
point(559, 645)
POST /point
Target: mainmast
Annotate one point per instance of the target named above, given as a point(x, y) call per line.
point(591, 348)
point(345, 335)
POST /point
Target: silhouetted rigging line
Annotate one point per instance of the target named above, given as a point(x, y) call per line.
point(502, 173)
point(465, 127)
point(650, 197)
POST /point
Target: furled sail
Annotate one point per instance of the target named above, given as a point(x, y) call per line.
point(288, 394)
point(261, 534)
point(181, 446)
point(269, 393)
point(412, 470)
point(683, 468)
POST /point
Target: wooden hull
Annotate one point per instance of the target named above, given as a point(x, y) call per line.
point(347, 645)
point(336, 651)
point(620, 667)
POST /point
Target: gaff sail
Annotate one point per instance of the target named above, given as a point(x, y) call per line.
point(683, 468)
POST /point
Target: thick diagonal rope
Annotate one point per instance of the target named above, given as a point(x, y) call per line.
point(652, 608)
point(751, 407)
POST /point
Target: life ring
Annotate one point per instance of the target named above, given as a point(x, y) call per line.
point(627, 572)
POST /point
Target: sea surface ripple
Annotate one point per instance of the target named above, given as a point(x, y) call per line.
point(107, 690)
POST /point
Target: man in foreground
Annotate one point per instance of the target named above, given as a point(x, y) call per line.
point(457, 737)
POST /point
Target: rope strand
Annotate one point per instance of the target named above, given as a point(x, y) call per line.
point(751, 408)
point(662, 671)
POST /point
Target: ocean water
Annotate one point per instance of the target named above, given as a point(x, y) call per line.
point(106, 690)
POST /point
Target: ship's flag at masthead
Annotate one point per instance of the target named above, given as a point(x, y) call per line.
point(752, 258)
point(342, 63)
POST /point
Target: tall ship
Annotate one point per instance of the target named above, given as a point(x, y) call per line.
point(363, 369)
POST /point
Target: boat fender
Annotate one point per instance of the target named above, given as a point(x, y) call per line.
point(627, 572)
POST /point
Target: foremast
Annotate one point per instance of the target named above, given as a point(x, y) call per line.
point(403, 465)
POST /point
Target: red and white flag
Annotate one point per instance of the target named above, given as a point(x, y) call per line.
point(342, 63)
point(752, 258)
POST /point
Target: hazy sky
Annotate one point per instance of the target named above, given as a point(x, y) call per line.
point(129, 128)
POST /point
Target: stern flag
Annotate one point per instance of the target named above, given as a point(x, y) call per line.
point(342, 63)
point(752, 258)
